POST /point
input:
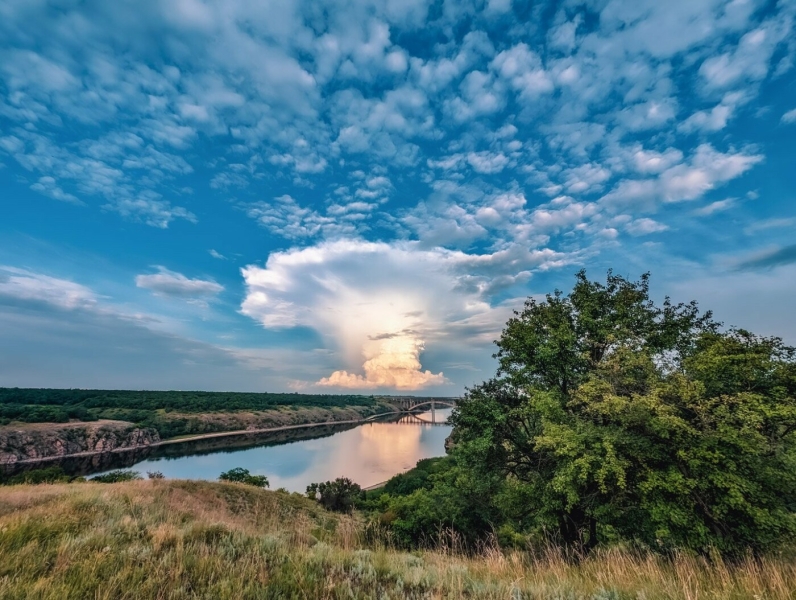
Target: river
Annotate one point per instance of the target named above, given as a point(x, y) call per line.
point(367, 454)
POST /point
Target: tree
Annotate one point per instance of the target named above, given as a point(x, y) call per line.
point(241, 475)
point(339, 495)
point(611, 417)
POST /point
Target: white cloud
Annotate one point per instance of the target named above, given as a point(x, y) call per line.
point(171, 283)
point(21, 284)
point(750, 60)
point(650, 161)
point(707, 169)
point(652, 114)
point(767, 224)
point(789, 117)
point(47, 186)
point(216, 254)
point(154, 212)
point(487, 162)
point(715, 207)
point(644, 226)
point(380, 304)
point(524, 70)
point(286, 218)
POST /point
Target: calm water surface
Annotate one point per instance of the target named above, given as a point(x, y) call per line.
point(367, 454)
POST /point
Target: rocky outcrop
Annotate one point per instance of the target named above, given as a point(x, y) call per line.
point(449, 443)
point(36, 442)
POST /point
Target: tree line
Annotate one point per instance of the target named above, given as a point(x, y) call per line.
point(143, 407)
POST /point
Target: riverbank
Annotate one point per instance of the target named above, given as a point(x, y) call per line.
point(40, 443)
point(191, 539)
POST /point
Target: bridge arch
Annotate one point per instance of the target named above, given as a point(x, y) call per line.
point(435, 403)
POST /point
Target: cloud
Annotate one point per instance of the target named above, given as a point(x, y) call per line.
point(286, 218)
point(47, 186)
point(789, 117)
point(769, 259)
point(767, 224)
point(644, 227)
point(63, 334)
point(170, 283)
point(216, 254)
point(28, 286)
point(750, 60)
point(157, 213)
point(379, 305)
point(706, 170)
point(715, 207)
point(487, 162)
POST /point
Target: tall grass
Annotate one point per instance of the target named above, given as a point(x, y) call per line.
point(183, 539)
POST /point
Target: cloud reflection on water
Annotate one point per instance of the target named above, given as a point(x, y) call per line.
point(368, 454)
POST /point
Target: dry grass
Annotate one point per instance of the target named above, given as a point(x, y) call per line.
point(184, 539)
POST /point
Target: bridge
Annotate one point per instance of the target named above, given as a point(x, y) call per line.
point(410, 419)
point(410, 405)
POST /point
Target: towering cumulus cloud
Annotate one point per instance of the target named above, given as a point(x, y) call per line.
point(377, 303)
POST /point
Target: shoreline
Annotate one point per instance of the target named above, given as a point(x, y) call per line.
point(194, 438)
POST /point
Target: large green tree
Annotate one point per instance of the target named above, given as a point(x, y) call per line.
point(611, 417)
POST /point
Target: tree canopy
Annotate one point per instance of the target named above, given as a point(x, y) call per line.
point(611, 418)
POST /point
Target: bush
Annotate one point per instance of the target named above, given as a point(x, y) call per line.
point(240, 475)
point(117, 476)
point(53, 474)
point(155, 475)
point(339, 495)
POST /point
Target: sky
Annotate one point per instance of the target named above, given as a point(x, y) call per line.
point(353, 196)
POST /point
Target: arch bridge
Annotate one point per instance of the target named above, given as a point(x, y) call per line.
point(410, 406)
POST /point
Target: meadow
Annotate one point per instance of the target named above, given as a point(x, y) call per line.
point(189, 539)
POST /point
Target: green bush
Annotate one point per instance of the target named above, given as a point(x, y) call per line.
point(340, 495)
point(240, 475)
point(52, 474)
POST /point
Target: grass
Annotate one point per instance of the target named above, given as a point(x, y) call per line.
point(191, 539)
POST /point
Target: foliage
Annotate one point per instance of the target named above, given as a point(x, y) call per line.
point(422, 506)
point(610, 417)
point(340, 495)
point(117, 476)
point(241, 475)
point(155, 475)
point(420, 477)
point(54, 474)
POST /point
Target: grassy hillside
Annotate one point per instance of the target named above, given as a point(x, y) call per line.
point(186, 539)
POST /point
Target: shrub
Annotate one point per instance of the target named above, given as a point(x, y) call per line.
point(53, 474)
point(240, 475)
point(339, 495)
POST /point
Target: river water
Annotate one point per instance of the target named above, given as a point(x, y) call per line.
point(367, 454)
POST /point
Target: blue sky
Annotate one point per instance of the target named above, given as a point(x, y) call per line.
point(319, 196)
